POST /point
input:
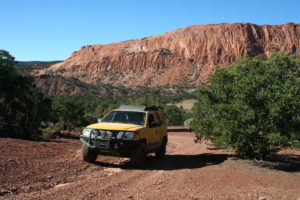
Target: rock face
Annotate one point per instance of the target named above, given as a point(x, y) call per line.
point(186, 56)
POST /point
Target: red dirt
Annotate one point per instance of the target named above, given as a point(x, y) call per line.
point(55, 170)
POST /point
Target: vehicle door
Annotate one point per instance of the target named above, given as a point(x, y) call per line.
point(153, 133)
point(161, 127)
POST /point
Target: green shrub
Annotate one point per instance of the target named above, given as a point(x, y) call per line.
point(48, 134)
point(22, 106)
point(252, 106)
point(175, 116)
point(296, 146)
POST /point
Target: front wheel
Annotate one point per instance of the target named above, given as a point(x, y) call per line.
point(138, 156)
point(88, 154)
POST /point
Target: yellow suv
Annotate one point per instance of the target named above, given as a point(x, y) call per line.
point(129, 131)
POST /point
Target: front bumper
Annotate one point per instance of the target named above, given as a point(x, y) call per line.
point(117, 147)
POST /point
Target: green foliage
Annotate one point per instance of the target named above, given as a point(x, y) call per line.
point(69, 112)
point(175, 116)
point(296, 146)
point(22, 105)
point(48, 134)
point(252, 106)
point(160, 95)
point(78, 111)
point(145, 101)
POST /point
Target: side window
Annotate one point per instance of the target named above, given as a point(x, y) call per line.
point(154, 117)
point(157, 119)
point(151, 119)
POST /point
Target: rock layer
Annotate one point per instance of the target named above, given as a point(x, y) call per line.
point(186, 56)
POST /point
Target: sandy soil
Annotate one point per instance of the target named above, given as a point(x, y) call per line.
point(55, 170)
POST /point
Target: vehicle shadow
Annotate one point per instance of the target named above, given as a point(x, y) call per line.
point(173, 162)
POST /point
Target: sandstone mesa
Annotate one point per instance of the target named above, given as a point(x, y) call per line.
point(186, 56)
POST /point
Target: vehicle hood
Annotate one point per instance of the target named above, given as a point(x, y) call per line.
point(115, 126)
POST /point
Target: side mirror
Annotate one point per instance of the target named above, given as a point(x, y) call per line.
point(99, 120)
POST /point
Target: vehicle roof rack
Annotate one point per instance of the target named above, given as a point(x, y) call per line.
point(140, 108)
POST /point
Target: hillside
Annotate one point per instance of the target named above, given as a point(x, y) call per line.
point(186, 56)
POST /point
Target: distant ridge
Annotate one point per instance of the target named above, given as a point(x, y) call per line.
point(30, 63)
point(31, 67)
point(186, 56)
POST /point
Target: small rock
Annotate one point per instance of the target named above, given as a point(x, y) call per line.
point(262, 198)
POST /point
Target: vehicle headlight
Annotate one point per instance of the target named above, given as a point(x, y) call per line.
point(109, 134)
point(87, 132)
point(127, 135)
point(120, 135)
point(102, 133)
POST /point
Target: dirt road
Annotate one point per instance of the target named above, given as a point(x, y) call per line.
point(54, 170)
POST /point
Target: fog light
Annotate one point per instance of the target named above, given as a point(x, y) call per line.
point(116, 146)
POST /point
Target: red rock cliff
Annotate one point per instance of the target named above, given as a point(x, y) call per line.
point(184, 56)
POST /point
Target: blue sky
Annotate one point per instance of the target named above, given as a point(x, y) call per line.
point(52, 29)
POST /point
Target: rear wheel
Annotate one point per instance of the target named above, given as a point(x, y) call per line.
point(88, 154)
point(138, 156)
point(162, 150)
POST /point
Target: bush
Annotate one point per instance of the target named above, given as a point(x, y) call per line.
point(69, 112)
point(296, 146)
point(252, 106)
point(175, 116)
point(48, 134)
point(22, 106)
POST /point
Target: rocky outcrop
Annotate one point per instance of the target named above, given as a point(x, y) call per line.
point(186, 56)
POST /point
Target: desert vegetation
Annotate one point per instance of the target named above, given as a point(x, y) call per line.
point(252, 106)
point(22, 106)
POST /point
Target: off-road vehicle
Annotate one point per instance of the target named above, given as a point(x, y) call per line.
point(129, 131)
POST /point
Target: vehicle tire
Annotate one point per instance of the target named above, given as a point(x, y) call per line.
point(162, 151)
point(138, 156)
point(88, 154)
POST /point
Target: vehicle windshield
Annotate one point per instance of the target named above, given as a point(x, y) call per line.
point(125, 117)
